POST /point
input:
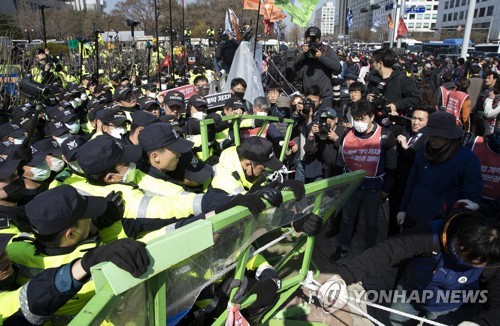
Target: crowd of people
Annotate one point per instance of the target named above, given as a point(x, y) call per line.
point(92, 169)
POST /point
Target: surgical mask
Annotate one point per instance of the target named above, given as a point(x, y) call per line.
point(130, 174)
point(360, 126)
point(61, 139)
point(56, 164)
point(78, 102)
point(117, 132)
point(144, 81)
point(73, 127)
point(73, 104)
point(261, 113)
point(199, 115)
point(163, 87)
point(40, 172)
point(152, 95)
point(19, 141)
point(75, 167)
point(14, 191)
point(83, 97)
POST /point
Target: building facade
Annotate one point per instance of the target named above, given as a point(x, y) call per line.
point(453, 13)
point(324, 18)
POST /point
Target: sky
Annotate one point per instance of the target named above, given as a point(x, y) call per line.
point(110, 4)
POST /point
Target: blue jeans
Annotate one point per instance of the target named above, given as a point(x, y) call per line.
point(369, 200)
point(300, 171)
point(397, 320)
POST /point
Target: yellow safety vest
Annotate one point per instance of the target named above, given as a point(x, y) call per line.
point(30, 263)
point(228, 173)
point(10, 304)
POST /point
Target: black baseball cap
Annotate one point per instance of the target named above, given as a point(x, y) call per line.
point(57, 209)
point(162, 135)
point(71, 146)
point(122, 93)
point(7, 148)
point(144, 119)
point(8, 167)
point(104, 152)
point(21, 112)
point(235, 103)
point(174, 98)
point(4, 241)
point(65, 115)
point(11, 129)
point(57, 128)
point(197, 101)
point(114, 116)
point(149, 104)
point(260, 150)
point(48, 146)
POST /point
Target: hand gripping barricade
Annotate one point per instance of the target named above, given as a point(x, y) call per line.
point(188, 259)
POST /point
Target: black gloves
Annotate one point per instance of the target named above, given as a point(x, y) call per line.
point(296, 186)
point(273, 196)
point(251, 201)
point(310, 224)
point(127, 254)
point(114, 211)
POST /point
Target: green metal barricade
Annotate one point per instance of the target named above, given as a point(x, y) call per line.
point(187, 260)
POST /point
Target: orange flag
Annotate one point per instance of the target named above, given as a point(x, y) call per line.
point(390, 23)
point(402, 30)
point(251, 4)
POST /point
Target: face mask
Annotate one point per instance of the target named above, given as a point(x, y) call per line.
point(78, 102)
point(163, 87)
point(261, 113)
point(40, 172)
point(14, 191)
point(117, 132)
point(199, 115)
point(73, 127)
point(61, 139)
point(360, 126)
point(73, 104)
point(239, 95)
point(152, 95)
point(130, 174)
point(56, 164)
point(19, 141)
point(144, 81)
point(83, 97)
point(75, 167)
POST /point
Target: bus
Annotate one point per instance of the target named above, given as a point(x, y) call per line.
point(409, 45)
point(488, 48)
point(448, 47)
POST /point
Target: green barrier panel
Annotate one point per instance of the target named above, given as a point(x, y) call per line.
point(187, 260)
point(205, 147)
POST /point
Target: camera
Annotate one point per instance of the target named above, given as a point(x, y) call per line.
point(324, 126)
point(379, 101)
point(33, 89)
point(314, 34)
point(308, 106)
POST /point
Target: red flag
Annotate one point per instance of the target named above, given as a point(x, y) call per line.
point(402, 30)
point(390, 23)
point(251, 4)
point(166, 62)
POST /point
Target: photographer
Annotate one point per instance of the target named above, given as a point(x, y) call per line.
point(324, 139)
point(391, 92)
point(316, 64)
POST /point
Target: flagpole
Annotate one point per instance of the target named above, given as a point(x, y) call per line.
point(157, 45)
point(401, 11)
point(256, 31)
point(172, 57)
point(184, 61)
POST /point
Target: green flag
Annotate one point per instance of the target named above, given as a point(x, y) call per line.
point(299, 10)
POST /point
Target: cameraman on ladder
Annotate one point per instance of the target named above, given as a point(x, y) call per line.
point(316, 64)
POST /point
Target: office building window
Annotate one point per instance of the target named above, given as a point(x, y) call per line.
point(418, 25)
point(463, 2)
point(410, 25)
point(481, 12)
point(426, 25)
point(490, 11)
point(457, 3)
point(435, 7)
point(455, 15)
point(461, 16)
point(428, 7)
point(427, 16)
point(452, 4)
point(420, 16)
point(475, 13)
point(434, 16)
point(444, 17)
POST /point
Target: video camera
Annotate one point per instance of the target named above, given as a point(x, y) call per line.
point(380, 101)
point(324, 126)
point(308, 106)
point(33, 89)
point(314, 34)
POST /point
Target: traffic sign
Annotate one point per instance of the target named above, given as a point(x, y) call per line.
point(415, 9)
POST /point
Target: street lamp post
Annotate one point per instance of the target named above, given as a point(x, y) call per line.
point(42, 8)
